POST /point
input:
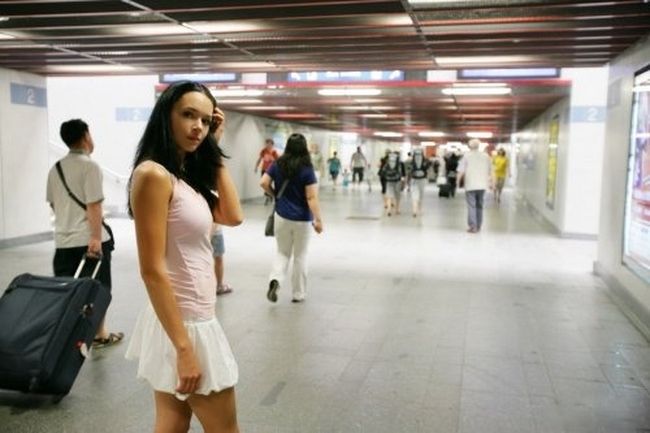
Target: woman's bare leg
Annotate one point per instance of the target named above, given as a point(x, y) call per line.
point(217, 412)
point(172, 415)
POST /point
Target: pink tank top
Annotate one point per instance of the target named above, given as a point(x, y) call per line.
point(189, 258)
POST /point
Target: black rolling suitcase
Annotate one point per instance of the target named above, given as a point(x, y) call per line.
point(47, 326)
point(444, 190)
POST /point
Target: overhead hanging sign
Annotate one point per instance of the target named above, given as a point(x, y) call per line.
point(334, 76)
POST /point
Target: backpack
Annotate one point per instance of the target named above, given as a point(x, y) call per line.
point(419, 166)
point(392, 169)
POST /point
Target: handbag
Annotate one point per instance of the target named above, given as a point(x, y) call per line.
point(269, 229)
point(111, 241)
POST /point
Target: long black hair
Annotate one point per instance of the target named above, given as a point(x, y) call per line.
point(295, 156)
point(157, 144)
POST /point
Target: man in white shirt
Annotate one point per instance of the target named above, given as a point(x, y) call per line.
point(476, 173)
point(358, 163)
point(79, 231)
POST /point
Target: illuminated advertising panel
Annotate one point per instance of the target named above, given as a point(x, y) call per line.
point(636, 242)
point(551, 168)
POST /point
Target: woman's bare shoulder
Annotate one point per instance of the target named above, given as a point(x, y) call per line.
point(151, 173)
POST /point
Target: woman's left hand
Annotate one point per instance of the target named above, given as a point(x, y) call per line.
point(220, 120)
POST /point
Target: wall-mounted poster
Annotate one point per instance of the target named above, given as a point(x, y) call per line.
point(551, 168)
point(636, 243)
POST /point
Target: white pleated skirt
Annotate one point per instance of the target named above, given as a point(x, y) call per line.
point(157, 356)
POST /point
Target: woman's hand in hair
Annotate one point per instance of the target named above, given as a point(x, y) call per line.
point(219, 119)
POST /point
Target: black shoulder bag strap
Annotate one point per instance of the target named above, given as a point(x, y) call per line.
point(82, 204)
point(282, 188)
point(279, 194)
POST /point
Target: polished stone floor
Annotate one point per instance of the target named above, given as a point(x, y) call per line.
point(410, 325)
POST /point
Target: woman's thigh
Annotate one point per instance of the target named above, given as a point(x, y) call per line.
point(217, 412)
point(172, 415)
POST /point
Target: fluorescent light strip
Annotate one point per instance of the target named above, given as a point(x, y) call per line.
point(108, 53)
point(388, 134)
point(477, 91)
point(479, 134)
point(477, 60)
point(479, 85)
point(349, 92)
point(90, 68)
point(423, 2)
point(510, 73)
point(431, 134)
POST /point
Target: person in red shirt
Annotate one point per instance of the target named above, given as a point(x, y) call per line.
point(267, 156)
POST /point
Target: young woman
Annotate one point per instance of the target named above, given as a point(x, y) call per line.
point(296, 209)
point(178, 188)
point(500, 165)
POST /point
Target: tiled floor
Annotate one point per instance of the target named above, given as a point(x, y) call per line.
point(410, 325)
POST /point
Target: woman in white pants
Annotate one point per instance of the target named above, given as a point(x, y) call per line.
point(296, 210)
point(419, 168)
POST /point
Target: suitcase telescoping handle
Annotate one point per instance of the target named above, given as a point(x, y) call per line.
point(83, 263)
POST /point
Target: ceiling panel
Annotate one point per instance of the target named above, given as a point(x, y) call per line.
point(248, 36)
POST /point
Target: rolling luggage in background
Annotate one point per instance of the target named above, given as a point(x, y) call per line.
point(444, 190)
point(47, 326)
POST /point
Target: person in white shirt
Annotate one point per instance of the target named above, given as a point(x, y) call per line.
point(358, 163)
point(78, 225)
point(476, 173)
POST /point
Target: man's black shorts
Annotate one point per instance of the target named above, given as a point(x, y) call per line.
point(66, 261)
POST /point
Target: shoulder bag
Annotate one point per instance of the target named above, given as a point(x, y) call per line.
point(270, 220)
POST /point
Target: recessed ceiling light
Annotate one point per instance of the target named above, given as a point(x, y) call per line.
point(6, 36)
point(374, 115)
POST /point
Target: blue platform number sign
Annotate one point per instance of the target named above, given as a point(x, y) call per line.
point(132, 114)
point(588, 114)
point(22, 94)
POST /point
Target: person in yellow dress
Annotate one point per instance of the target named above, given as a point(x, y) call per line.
point(500, 166)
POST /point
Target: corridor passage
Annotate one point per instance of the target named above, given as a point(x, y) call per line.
point(409, 325)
